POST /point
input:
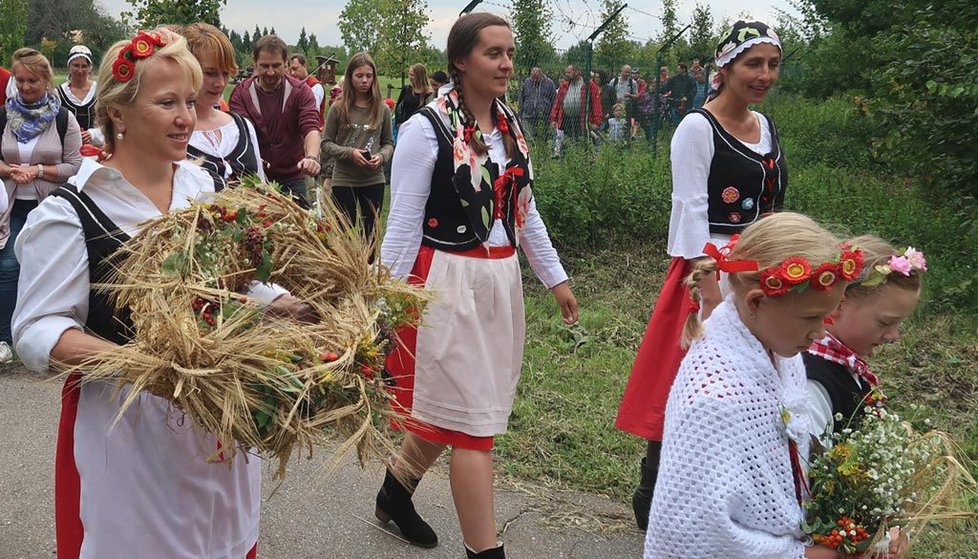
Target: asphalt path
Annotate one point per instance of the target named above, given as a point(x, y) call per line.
point(310, 516)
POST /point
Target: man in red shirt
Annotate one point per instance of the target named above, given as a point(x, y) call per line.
point(283, 110)
point(299, 71)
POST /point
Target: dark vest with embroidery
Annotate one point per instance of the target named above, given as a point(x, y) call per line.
point(454, 221)
point(243, 159)
point(84, 113)
point(845, 393)
point(102, 240)
point(743, 185)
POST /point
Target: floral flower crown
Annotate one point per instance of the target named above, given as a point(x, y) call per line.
point(794, 273)
point(142, 46)
point(910, 262)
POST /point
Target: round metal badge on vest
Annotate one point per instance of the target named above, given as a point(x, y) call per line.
point(461, 228)
point(734, 217)
point(730, 194)
point(747, 204)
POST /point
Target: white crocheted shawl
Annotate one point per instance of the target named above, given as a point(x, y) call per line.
point(726, 487)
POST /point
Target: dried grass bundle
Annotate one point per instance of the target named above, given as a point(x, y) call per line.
point(267, 383)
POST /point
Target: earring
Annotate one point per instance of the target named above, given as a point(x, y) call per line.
point(120, 136)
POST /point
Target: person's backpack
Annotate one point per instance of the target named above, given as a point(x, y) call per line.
point(61, 121)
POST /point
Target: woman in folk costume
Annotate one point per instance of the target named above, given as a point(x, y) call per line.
point(462, 203)
point(731, 479)
point(225, 144)
point(728, 170)
point(142, 486)
point(78, 94)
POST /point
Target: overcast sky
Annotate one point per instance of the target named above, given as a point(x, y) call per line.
point(573, 19)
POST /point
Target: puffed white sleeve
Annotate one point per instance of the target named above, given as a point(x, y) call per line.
point(820, 406)
point(539, 250)
point(319, 93)
point(411, 170)
point(52, 295)
point(691, 154)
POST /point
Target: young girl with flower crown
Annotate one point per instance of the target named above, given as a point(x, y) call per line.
point(870, 314)
point(462, 202)
point(731, 479)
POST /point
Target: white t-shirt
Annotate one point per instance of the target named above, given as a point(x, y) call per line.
point(691, 155)
point(147, 490)
point(414, 164)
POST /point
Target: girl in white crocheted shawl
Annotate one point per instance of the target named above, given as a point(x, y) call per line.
point(731, 478)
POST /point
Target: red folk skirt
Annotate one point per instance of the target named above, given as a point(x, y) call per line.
point(643, 407)
point(401, 364)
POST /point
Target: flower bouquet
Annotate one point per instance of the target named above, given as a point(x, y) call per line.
point(258, 381)
point(880, 474)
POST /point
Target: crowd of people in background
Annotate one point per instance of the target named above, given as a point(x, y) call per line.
point(613, 109)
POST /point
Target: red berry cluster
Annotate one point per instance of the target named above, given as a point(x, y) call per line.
point(843, 535)
point(205, 308)
point(254, 242)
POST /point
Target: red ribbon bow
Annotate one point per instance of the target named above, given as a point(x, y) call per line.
point(723, 261)
point(88, 150)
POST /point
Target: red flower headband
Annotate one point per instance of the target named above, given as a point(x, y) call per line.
point(795, 273)
point(142, 46)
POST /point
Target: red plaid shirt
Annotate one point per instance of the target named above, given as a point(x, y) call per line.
point(831, 349)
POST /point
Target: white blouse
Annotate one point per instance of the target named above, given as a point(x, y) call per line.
point(691, 153)
point(413, 166)
point(221, 141)
point(150, 469)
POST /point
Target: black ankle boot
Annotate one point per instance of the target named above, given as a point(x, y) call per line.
point(394, 503)
point(494, 553)
point(642, 499)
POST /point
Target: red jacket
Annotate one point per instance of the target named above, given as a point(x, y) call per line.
point(311, 81)
point(4, 78)
point(557, 113)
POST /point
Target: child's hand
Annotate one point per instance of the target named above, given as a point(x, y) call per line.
point(566, 301)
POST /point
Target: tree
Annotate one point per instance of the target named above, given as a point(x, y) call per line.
point(272, 31)
point(670, 22)
point(265, 31)
point(246, 42)
point(613, 46)
point(702, 40)
point(360, 24)
point(402, 45)
point(313, 45)
point(257, 34)
point(531, 22)
point(13, 25)
point(153, 13)
point(303, 43)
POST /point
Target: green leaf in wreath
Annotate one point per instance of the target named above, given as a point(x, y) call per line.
point(264, 271)
point(242, 216)
point(485, 217)
point(486, 177)
point(176, 263)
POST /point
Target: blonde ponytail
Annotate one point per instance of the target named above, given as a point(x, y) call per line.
point(694, 327)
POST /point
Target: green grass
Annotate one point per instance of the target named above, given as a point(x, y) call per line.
point(608, 213)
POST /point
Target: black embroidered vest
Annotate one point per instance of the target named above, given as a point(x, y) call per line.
point(243, 159)
point(743, 185)
point(845, 393)
point(455, 218)
point(84, 113)
point(102, 239)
